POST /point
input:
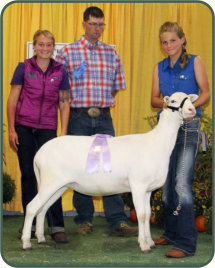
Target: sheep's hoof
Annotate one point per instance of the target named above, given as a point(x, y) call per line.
point(42, 242)
point(147, 251)
point(26, 245)
point(28, 248)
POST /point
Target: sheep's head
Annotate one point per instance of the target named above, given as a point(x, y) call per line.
point(182, 102)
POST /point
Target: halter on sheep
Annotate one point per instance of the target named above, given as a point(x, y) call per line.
point(139, 165)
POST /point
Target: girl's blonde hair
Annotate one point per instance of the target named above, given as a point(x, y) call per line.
point(176, 28)
point(46, 33)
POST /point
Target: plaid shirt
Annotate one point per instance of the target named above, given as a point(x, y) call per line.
point(103, 74)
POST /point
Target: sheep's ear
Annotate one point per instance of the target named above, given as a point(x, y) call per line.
point(166, 99)
point(193, 97)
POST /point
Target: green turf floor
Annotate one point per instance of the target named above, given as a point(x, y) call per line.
point(96, 249)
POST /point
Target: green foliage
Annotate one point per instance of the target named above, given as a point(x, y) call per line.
point(202, 197)
point(208, 215)
point(207, 126)
point(157, 207)
point(202, 185)
point(203, 169)
point(9, 188)
point(152, 120)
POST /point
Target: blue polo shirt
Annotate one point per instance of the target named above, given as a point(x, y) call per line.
point(175, 79)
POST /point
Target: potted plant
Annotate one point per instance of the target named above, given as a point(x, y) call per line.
point(9, 188)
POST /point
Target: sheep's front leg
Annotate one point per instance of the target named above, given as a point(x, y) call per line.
point(138, 199)
point(147, 220)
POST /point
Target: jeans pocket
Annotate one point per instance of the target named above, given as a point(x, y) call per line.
point(190, 133)
point(192, 126)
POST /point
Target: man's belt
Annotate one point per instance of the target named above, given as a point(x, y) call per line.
point(92, 111)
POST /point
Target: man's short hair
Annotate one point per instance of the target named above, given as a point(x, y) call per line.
point(94, 12)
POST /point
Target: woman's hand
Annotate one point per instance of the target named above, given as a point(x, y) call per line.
point(13, 139)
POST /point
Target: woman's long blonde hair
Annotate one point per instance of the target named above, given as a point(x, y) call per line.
point(176, 28)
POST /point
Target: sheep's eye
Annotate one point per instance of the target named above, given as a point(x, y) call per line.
point(172, 101)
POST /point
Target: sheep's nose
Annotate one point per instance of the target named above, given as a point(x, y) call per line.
point(192, 110)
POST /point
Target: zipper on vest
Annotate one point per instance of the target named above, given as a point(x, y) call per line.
point(42, 99)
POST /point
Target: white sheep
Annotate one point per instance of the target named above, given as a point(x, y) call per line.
point(139, 165)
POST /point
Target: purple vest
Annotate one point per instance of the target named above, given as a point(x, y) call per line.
point(39, 99)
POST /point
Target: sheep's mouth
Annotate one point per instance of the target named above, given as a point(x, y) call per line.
point(190, 116)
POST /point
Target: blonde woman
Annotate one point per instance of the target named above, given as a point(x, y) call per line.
point(39, 86)
point(184, 72)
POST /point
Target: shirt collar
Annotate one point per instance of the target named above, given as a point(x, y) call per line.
point(87, 44)
point(176, 66)
point(33, 61)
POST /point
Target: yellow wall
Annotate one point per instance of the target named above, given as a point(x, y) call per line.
point(133, 28)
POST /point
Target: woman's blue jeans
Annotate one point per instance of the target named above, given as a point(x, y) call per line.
point(180, 230)
point(30, 140)
point(81, 124)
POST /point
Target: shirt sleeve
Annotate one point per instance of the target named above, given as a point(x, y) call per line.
point(64, 85)
point(18, 76)
point(61, 57)
point(119, 81)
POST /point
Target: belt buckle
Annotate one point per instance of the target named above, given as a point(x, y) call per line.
point(94, 112)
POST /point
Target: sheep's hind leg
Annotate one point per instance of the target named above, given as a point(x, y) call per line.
point(42, 213)
point(31, 211)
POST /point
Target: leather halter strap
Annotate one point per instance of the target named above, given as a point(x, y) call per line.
point(177, 108)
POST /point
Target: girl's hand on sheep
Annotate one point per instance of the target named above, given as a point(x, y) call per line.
point(164, 105)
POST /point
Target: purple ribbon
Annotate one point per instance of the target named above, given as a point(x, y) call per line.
point(99, 147)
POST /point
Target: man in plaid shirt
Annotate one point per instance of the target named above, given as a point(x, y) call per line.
point(96, 75)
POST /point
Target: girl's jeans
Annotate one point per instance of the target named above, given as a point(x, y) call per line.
point(180, 230)
point(30, 140)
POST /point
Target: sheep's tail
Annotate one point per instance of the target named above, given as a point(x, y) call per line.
point(37, 171)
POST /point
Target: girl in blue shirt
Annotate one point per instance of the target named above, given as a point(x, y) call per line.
point(186, 73)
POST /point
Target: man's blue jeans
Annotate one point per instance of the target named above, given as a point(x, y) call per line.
point(30, 140)
point(82, 124)
point(180, 230)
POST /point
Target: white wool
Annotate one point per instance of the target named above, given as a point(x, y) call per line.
point(139, 165)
